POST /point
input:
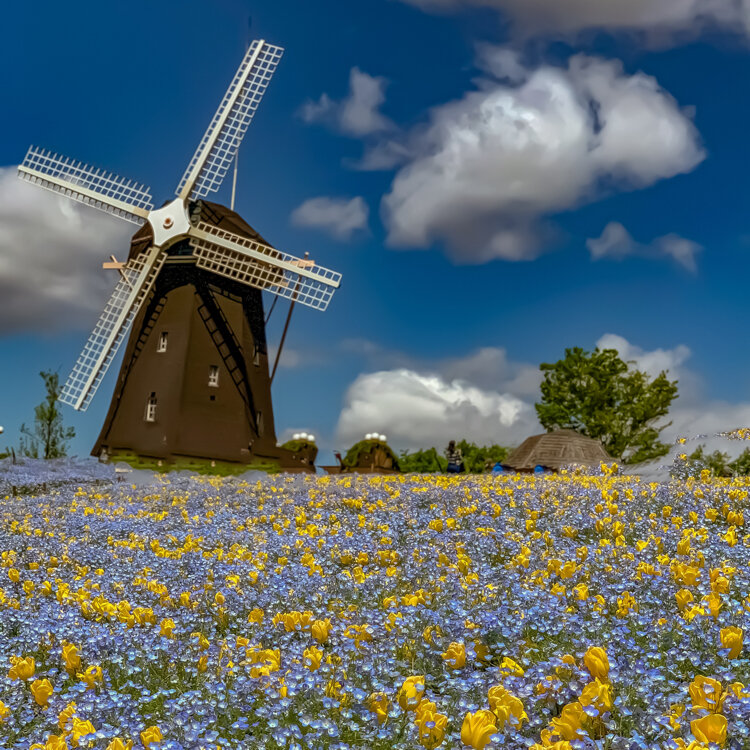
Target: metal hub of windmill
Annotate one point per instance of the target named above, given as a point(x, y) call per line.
point(194, 380)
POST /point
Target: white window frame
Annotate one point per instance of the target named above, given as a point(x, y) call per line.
point(162, 345)
point(150, 415)
point(213, 376)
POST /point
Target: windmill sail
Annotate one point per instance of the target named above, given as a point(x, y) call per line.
point(263, 266)
point(220, 144)
point(131, 291)
point(103, 190)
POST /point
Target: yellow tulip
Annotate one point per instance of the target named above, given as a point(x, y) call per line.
point(91, 676)
point(683, 597)
point(509, 667)
point(455, 656)
point(568, 723)
point(312, 657)
point(732, 638)
point(118, 744)
point(167, 626)
point(80, 728)
point(411, 693)
point(320, 630)
point(378, 703)
point(711, 728)
point(431, 727)
point(4, 712)
point(66, 716)
point(54, 742)
point(202, 665)
point(477, 728)
point(22, 669)
point(71, 657)
point(705, 692)
point(597, 663)
point(41, 690)
point(506, 707)
point(597, 694)
point(152, 734)
point(256, 616)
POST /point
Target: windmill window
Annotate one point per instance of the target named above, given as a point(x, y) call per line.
point(256, 357)
point(213, 376)
point(162, 347)
point(260, 423)
point(151, 408)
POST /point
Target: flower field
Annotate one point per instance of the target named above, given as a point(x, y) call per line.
point(560, 611)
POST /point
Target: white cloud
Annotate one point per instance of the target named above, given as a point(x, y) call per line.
point(418, 410)
point(659, 19)
point(51, 254)
point(339, 217)
point(617, 243)
point(484, 172)
point(359, 113)
point(485, 397)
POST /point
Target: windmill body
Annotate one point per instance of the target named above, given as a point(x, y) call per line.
point(194, 380)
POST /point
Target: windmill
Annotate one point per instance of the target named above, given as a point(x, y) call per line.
point(194, 380)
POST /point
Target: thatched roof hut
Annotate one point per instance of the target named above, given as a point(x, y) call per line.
point(552, 450)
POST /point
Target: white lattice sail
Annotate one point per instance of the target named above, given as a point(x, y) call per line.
point(220, 144)
point(95, 187)
point(263, 266)
point(138, 278)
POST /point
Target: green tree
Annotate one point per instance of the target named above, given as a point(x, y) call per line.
point(421, 462)
point(476, 459)
point(599, 396)
point(49, 437)
point(717, 462)
point(741, 465)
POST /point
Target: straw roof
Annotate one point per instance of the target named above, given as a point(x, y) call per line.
point(556, 449)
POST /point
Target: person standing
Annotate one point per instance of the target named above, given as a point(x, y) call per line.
point(455, 459)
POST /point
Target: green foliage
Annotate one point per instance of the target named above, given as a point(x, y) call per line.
point(476, 459)
point(298, 445)
point(49, 438)
point(598, 396)
point(718, 463)
point(363, 447)
point(422, 462)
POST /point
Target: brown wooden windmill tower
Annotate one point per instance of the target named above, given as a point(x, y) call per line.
point(194, 380)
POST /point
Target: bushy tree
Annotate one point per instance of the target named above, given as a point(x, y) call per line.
point(48, 438)
point(476, 458)
point(421, 462)
point(598, 395)
point(718, 463)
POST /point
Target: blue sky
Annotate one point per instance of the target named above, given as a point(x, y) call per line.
point(546, 182)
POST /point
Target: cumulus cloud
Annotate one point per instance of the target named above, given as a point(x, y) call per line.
point(659, 19)
point(483, 173)
point(416, 409)
point(483, 396)
point(359, 113)
point(51, 253)
point(339, 217)
point(486, 397)
point(617, 243)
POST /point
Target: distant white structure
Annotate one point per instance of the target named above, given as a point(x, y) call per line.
point(304, 436)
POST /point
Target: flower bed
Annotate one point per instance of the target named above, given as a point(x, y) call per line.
point(563, 611)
